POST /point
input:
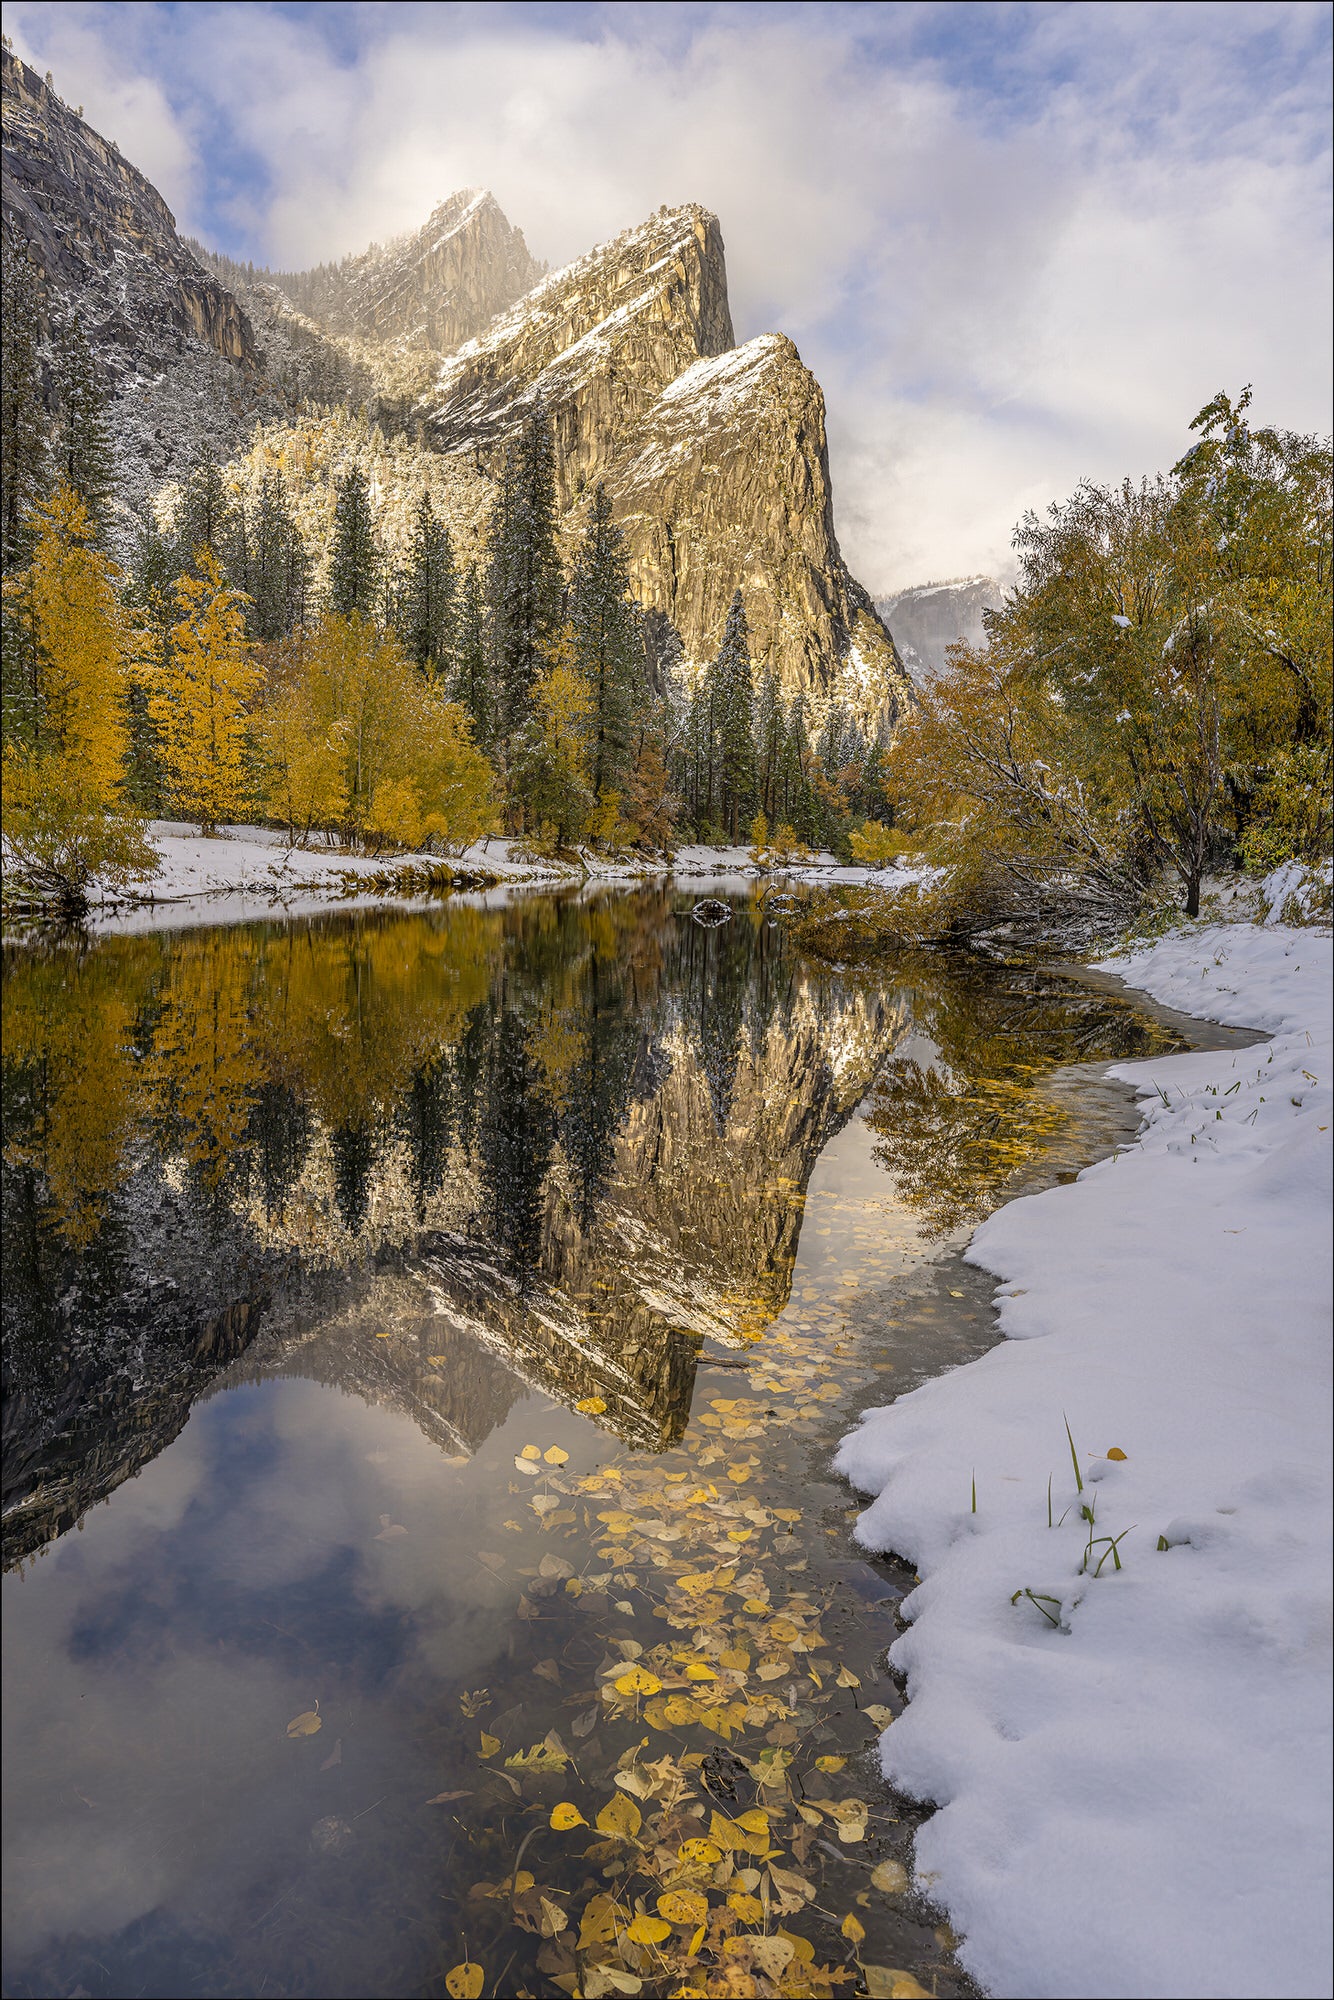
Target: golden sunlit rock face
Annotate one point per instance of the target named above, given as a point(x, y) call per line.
point(714, 455)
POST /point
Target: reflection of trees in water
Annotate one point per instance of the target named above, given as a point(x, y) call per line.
point(955, 1130)
point(515, 1137)
point(588, 1128)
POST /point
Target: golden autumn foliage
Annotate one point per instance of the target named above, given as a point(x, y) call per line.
point(199, 700)
point(356, 740)
point(65, 816)
point(1154, 694)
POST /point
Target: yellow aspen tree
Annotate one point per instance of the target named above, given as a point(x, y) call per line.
point(85, 646)
point(200, 699)
point(66, 821)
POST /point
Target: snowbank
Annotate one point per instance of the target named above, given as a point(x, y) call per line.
point(250, 871)
point(1134, 1800)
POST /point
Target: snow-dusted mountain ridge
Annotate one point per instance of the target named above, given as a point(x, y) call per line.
point(714, 456)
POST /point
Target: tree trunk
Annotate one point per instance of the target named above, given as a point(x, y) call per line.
point(1193, 894)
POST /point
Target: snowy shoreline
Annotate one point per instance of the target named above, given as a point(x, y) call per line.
point(248, 872)
point(1133, 1799)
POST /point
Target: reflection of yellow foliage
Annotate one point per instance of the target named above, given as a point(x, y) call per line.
point(69, 1024)
point(348, 1013)
point(207, 1066)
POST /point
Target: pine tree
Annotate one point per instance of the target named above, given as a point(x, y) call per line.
point(429, 608)
point(770, 730)
point(732, 721)
point(277, 565)
point(355, 563)
point(206, 519)
point(25, 430)
point(470, 683)
point(199, 699)
point(524, 579)
point(83, 432)
point(608, 648)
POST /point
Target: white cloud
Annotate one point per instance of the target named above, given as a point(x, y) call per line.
point(1013, 260)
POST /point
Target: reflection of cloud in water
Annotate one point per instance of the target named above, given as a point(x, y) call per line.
point(156, 1658)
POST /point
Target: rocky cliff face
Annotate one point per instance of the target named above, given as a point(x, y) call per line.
point(439, 287)
point(101, 234)
point(714, 455)
point(929, 618)
point(724, 484)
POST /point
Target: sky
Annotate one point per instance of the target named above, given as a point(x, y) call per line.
point(1018, 245)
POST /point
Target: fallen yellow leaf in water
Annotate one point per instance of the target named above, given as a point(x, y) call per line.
point(648, 1930)
point(773, 1955)
point(749, 1908)
point(621, 1818)
point(565, 1816)
point(304, 1725)
point(884, 1982)
point(531, 1451)
point(830, 1763)
point(490, 1745)
point(891, 1877)
point(704, 1852)
point(683, 1906)
point(697, 1672)
point(465, 1982)
point(852, 1930)
point(592, 1406)
point(555, 1456)
point(638, 1681)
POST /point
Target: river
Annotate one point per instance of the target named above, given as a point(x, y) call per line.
point(425, 1339)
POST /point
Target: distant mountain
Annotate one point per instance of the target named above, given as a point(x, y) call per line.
point(433, 288)
point(928, 618)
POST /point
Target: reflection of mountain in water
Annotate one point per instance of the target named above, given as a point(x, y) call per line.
point(552, 1145)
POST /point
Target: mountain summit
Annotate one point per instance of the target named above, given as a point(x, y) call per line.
point(713, 455)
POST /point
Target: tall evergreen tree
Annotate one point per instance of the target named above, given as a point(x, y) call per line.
point(733, 720)
point(524, 579)
point(25, 430)
point(355, 564)
point(608, 648)
point(277, 566)
point(469, 683)
point(83, 432)
point(770, 732)
point(428, 609)
point(207, 518)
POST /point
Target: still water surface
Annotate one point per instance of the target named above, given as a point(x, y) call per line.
point(425, 1335)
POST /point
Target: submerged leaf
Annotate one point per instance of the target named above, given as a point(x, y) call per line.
point(305, 1724)
point(465, 1982)
point(683, 1906)
point(620, 1817)
point(565, 1816)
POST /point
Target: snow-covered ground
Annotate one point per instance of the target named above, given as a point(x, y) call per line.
point(1132, 1767)
point(251, 871)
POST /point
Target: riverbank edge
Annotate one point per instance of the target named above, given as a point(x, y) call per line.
point(1087, 1746)
point(243, 872)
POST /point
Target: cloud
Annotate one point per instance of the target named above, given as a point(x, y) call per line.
point(1017, 245)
